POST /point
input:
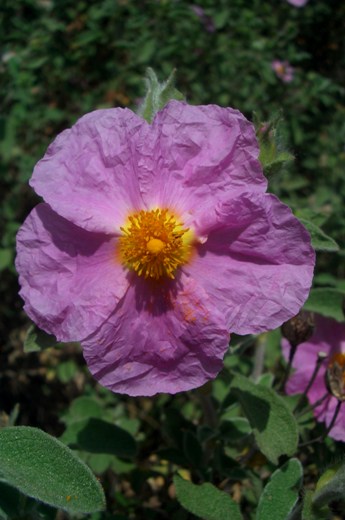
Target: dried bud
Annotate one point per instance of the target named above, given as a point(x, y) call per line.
point(335, 376)
point(299, 328)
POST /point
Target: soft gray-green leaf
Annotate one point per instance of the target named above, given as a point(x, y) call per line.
point(281, 492)
point(36, 340)
point(330, 486)
point(326, 301)
point(157, 94)
point(206, 501)
point(309, 512)
point(98, 436)
point(42, 467)
point(320, 241)
point(274, 426)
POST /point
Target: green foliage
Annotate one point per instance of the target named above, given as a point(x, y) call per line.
point(319, 239)
point(326, 301)
point(206, 501)
point(157, 94)
point(274, 426)
point(281, 493)
point(330, 487)
point(36, 340)
point(43, 468)
point(97, 436)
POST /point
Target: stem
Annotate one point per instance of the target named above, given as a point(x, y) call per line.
point(331, 424)
point(288, 368)
point(320, 358)
point(314, 405)
point(209, 412)
point(259, 357)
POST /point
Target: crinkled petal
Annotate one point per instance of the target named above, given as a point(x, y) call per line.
point(89, 173)
point(161, 338)
point(257, 264)
point(200, 153)
point(71, 279)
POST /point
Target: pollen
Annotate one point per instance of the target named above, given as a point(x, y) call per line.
point(155, 244)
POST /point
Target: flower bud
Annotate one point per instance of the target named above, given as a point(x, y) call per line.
point(299, 328)
point(335, 376)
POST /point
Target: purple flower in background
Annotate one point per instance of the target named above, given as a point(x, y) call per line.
point(204, 18)
point(297, 3)
point(328, 338)
point(283, 70)
point(155, 242)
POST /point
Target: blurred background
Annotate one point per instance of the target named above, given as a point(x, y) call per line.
point(62, 58)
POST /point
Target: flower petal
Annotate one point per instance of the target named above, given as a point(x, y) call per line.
point(159, 339)
point(88, 174)
point(257, 264)
point(71, 280)
point(200, 152)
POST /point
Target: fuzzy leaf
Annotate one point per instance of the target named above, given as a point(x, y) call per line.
point(206, 501)
point(319, 240)
point(326, 301)
point(330, 487)
point(309, 512)
point(274, 426)
point(37, 340)
point(158, 94)
point(97, 436)
point(281, 492)
point(42, 467)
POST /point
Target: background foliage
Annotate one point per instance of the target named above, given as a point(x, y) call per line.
point(62, 58)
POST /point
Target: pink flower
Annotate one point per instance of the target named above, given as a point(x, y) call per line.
point(328, 337)
point(297, 3)
point(283, 70)
point(155, 241)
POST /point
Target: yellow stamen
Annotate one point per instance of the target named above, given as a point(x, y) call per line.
point(154, 244)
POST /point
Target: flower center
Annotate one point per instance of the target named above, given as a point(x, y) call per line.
point(154, 244)
point(335, 376)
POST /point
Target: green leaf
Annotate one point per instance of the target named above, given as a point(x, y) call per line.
point(281, 492)
point(274, 426)
point(326, 301)
point(42, 467)
point(272, 156)
point(37, 340)
point(83, 408)
point(97, 436)
point(206, 501)
point(158, 94)
point(330, 486)
point(320, 241)
point(309, 512)
point(66, 371)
